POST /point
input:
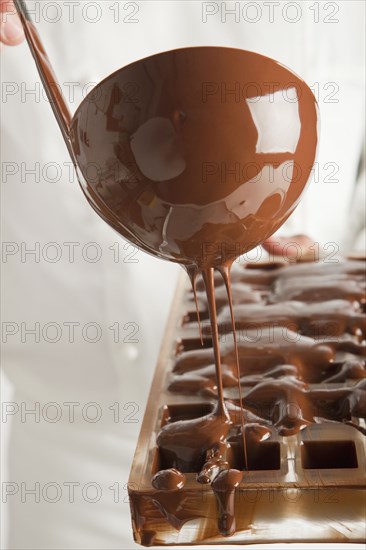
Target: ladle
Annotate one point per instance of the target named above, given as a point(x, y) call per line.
point(195, 155)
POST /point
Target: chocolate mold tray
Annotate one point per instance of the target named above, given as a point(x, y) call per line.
point(301, 330)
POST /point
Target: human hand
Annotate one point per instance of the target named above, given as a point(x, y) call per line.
point(296, 248)
point(11, 31)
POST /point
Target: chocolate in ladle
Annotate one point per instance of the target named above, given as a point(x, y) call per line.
point(196, 156)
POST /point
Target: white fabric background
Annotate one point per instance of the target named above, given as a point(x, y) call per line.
point(106, 292)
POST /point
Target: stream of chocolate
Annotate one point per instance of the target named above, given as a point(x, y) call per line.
point(201, 154)
point(199, 161)
point(312, 338)
point(208, 279)
point(188, 441)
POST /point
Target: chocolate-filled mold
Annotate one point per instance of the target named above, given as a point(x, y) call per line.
point(301, 331)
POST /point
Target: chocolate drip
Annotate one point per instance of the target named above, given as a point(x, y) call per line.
point(208, 279)
point(224, 486)
point(192, 274)
point(185, 443)
point(225, 272)
point(178, 442)
point(169, 480)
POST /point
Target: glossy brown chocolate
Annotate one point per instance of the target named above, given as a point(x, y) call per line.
point(168, 480)
point(188, 170)
point(195, 173)
point(198, 155)
point(303, 382)
point(224, 486)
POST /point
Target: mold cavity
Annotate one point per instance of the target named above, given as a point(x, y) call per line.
point(261, 456)
point(163, 460)
point(189, 344)
point(173, 413)
point(191, 317)
point(328, 454)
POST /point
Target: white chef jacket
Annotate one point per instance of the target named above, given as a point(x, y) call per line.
point(82, 325)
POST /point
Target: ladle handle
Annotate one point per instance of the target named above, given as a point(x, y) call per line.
point(49, 80)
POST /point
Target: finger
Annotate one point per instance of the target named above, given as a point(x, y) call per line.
point(289, 247)
point(7, 5)
point(11, 31)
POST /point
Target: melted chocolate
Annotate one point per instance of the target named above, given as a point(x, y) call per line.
point(168, 480)
point(289, 353)
point(201, 154)
point(192, 176)
point(198, 179)
point(224, 486)
point(185, 443)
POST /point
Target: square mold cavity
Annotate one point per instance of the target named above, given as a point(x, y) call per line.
point(187, 411)
point(328, 454)
point(265, 455)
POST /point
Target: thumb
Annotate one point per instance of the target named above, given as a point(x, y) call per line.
point(296, 247)
point(11, 31)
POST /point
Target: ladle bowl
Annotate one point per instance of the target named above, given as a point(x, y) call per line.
point(195, 155)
